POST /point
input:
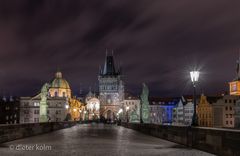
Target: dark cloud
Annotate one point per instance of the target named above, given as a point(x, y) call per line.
point(156, 42)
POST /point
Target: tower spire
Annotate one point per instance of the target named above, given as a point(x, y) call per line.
point(238, 67)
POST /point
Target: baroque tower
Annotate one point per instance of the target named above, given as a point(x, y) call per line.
point(111, 89)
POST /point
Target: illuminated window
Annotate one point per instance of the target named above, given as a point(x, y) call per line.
point(36, 104)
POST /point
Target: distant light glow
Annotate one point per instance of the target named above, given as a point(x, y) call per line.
point(66, 106)
point(120, 111)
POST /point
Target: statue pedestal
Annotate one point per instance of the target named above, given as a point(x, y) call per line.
point(43, 103)
point(43, 118)
point(43, 112)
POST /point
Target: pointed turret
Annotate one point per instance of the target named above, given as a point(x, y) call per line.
point(109, 66)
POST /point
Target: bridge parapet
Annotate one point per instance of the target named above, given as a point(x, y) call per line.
point(18, 131)
point(219, 141)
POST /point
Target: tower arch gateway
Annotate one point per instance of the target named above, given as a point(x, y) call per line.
point(111, 89)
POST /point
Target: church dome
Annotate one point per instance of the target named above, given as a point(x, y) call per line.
point(59, 82)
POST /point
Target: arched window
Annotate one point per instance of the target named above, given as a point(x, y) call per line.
point(56, 94)
point(64, 94)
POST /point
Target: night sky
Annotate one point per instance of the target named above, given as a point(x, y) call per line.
point(157, 42)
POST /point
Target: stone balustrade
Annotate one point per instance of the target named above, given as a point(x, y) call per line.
point(18, 131)
point(219, 141)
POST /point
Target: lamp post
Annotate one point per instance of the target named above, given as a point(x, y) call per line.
point(194, 78)
point(85, 112)
point(80, 115)
point(127, 108)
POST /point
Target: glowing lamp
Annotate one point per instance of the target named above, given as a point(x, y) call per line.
point(194, 76)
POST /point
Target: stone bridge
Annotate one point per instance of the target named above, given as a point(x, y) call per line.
point(70, 138)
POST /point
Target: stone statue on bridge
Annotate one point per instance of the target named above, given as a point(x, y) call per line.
point(145, 112)
point(43, 103)
point(134, 116)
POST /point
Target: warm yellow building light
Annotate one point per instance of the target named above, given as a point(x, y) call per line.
point(235, 88)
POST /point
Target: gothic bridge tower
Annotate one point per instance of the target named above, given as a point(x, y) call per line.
point(111, 89)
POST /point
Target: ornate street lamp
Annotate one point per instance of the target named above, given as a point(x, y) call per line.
point(194, 78)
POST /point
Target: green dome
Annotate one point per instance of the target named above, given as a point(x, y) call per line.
point(59, 82)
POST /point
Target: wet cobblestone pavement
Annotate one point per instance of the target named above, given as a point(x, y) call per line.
point(96, 140)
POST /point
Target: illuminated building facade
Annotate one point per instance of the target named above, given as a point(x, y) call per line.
point(75, 108)
point(163, 107)
point(93, 106)
point(111, 89)
point(188, 112)
point(183, 112)
point(205, 111)
point(30, 109)
point(156, 114)
point(59, 101)
point(224, 111)
point(133, 103)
